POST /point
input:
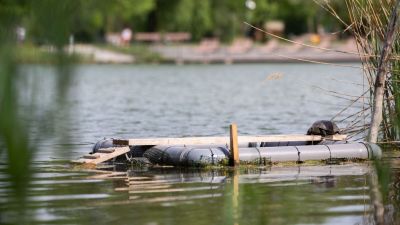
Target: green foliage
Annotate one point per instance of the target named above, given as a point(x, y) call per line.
point(142, 53)
point(51, 22)
point(383, 172)
point(265, 10)
point(330, 22)
point(370, 21)
point(174, 15)
point(184, 15)
point(201, 23)
point(90, 20)
point(124, 12)
point(297, 15)
point(395, 89)
point(223, 18)
point(12, 133)
point(228, 17)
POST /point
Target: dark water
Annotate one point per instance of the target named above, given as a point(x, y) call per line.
point(156, 101)
point(197, 100)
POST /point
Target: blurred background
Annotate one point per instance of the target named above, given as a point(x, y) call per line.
point(183, 30)
point(97, 20)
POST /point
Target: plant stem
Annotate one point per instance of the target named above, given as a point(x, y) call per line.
point(380, 80)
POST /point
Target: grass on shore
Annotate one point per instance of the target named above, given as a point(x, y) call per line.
point(29, 53)
point(32, 54)
point(141, 52)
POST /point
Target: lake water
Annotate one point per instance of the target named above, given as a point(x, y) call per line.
point(191, 100)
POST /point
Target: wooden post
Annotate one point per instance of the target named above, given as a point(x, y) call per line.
point(380, 81)
point(234, 148)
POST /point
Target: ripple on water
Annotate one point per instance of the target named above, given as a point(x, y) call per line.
point(350, 209)
point(353, 219)
point(171, 189)
point(41, 182)
point(54, 175)
point(351, 197)
point(46, 215)
point(46, 198)
point(151, 101)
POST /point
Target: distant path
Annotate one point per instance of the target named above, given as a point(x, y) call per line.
point(187, 53)
point(99, 55)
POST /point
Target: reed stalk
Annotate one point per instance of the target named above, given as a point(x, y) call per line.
point(374, 25)
point(375, 29)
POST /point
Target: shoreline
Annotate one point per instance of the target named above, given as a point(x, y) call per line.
point(184, 54)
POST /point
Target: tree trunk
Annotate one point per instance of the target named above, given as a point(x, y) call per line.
point(380, 81)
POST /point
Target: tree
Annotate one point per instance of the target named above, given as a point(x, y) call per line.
point(174, 15)
point(228, 17)
point(265, 10)
point(96, 17)
point(201, 23)
point(297, 15)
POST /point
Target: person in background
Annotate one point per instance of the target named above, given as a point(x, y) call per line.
point(126, 36)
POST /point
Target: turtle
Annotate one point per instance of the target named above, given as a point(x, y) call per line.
point(323, 128)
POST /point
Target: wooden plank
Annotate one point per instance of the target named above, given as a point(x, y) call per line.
point(102, 157)
point(225, 140)
point(91, 156)
point(336, 137)
point(234, 147)
point(106, 150)
point(174, 141)
point(121, 141)
point(290, 138)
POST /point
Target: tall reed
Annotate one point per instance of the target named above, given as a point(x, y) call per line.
point(369, 22)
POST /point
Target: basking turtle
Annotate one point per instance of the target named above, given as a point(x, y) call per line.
point(323, 128)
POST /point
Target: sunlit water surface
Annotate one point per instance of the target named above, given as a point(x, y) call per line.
point(193, 100)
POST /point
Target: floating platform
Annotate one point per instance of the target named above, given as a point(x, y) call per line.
point(195, 156)
point(203, 151)
point(323, 142)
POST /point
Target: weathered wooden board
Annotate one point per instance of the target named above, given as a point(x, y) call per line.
point(234, 148)
point(99, 157)
point(110, 153)
point(106, 150)
point(225, 140)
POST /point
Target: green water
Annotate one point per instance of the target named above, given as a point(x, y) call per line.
point(329, 194)
point(157, 101)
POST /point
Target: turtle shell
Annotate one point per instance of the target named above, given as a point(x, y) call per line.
point(323, 128)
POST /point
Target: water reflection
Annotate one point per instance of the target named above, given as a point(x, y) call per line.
point(276, 195)
point(195, 103)
point(294, 191)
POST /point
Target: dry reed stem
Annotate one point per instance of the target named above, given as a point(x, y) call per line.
point(367, 22)
point(351, 103)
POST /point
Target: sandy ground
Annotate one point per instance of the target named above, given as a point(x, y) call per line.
point(192, 53)
point(101, 55)
point(259, 53)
